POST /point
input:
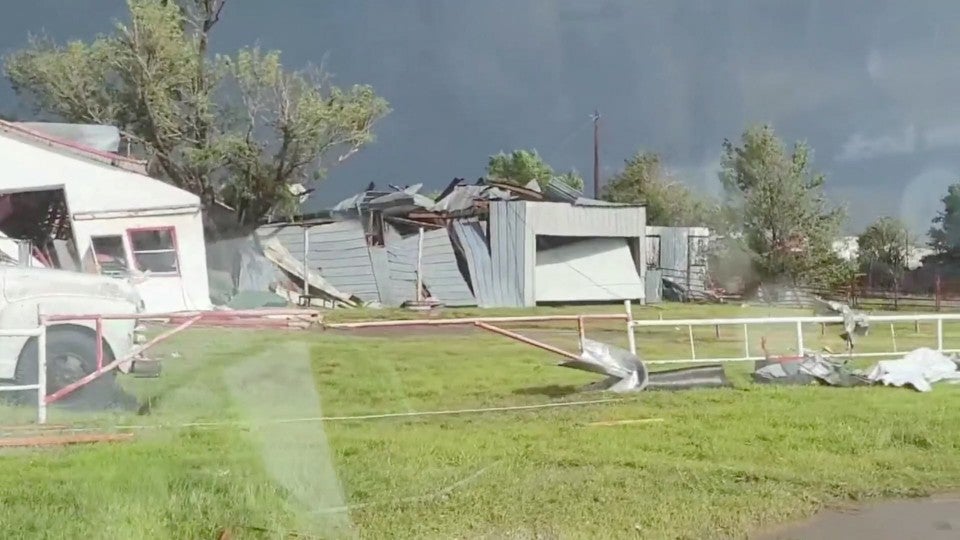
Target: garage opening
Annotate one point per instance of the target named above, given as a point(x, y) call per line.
point(576, 269)
point(40, 219)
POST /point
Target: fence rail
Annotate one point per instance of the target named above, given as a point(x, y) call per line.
point(41, 385)
point(796, 322)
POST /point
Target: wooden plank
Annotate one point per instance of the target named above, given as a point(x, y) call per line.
point(63, 440)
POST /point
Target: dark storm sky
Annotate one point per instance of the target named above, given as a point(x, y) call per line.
point(872, 85)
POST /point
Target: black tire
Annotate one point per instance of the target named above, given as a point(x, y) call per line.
point(71, 354)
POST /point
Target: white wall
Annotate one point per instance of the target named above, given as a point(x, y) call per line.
point(188, 291)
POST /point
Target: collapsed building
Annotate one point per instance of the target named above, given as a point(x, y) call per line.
point(486, 244)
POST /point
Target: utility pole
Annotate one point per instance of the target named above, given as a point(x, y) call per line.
point(596, 154)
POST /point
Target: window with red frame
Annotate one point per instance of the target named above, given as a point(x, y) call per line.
point(154, 250)
point(110, 256)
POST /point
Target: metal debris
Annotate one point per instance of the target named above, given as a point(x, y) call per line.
point(855, 323)
point(811, 367)
point(626, 372)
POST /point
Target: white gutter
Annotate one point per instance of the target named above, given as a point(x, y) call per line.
point(138, 212)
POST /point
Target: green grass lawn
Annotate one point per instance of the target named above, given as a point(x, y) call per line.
point(714, 463)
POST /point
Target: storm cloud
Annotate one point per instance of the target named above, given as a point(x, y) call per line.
point(871, 85)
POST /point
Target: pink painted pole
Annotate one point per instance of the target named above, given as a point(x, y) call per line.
point(70, 388)
point(525, 339)
point(99, 343)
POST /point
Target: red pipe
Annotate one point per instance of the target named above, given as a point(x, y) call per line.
point(238, 314)
point(99, 343)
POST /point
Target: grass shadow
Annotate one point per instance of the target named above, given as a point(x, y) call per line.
point(552, 390)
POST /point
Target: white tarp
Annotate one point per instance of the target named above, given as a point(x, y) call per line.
point(590, 269)
point(919, 368)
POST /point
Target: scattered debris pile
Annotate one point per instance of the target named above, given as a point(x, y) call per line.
point(919, 369)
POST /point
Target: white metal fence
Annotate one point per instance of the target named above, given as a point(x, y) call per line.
point(41, 385)
point(796, 322)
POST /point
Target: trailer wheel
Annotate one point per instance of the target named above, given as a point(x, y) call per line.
point(71, 355)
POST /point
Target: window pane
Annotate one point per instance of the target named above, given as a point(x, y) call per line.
point(110, 255)
point(154, 250)
point(165, 262)
point(151, 240)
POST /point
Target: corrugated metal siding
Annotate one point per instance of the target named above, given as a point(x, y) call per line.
point(402, 262)
point(512, 253)
point(441, 272)
point(559, 190)
point(338, 250)
point(379, 259)
point(487, 286)
point(654, 286)
point(674, 255)
point(561, 219)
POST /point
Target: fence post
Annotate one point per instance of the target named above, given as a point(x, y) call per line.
point(940, 335)
point(746, 343)
point(799, 338)
point(937, 291)
point(581, 332)
point(693, 348)
point(631, 339)
point(41, 369)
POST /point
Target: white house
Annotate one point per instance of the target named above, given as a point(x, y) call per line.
point(848, 248)
point(91, 210)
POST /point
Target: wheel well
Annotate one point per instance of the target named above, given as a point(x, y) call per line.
point(67, 327)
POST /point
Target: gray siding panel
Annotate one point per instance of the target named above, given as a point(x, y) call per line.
point(562, 219)
point(675, 252)
point(441, 272)
point(441, 275)
point(338, 250)
point(381, 275)
point(403, 271)
point(507, 251)
point(473, 244)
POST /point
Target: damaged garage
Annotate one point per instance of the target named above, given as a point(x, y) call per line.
point(486, 244)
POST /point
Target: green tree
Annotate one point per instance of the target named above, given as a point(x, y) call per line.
point(945, 233)
point(884, 247)
point(776, 209)
point(644, 180)
point(238, 129)
point(522, 166)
